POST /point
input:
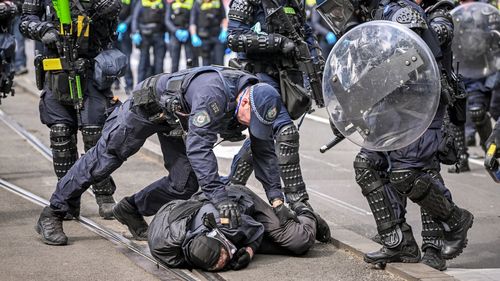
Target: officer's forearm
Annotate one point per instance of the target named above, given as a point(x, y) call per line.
point(255, 43)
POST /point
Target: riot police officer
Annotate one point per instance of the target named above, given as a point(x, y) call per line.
point(202, 101)
point(74, 95)
point(177, 22)
point(8, 12)
point(148, 31)
point(387, 179)
point(268, 230)
point(264, 48)
point(208, 28)
point(124, 41)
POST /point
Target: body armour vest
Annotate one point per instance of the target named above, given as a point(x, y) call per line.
point(210, 18)
point(181, 10)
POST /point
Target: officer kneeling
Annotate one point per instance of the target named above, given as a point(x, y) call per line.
point(189, 233)
point(195, 105)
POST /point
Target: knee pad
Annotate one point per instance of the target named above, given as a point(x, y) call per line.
point(90, 136)
point(478, 114)
point(64, 150)
point(367, 176)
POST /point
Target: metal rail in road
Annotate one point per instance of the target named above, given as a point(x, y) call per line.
point(177, 274)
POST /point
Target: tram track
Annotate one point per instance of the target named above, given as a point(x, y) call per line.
point(105, 232)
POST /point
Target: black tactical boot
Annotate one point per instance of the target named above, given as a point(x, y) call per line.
point(50, 226)
point(433, 258)
point(128, 215)
point(323, 234)
point(455, 240)
point(106, 204)
point(406, 251)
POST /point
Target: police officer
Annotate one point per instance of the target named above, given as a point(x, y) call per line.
point(59, 109)
point(149, 31)
point(8, 12)
point(208, 28)
point(202, 101)
point(264, 48)
point(20, 62)
point(414, 170)
point(124, 42)
point(177, 22)
point(266, 229)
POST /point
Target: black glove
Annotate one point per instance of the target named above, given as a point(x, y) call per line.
point(229, 213)
point(287, 46)
point(50, 37)
point(241, 259)
point(284, 214)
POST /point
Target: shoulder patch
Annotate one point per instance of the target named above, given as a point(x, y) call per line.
point(201, 118)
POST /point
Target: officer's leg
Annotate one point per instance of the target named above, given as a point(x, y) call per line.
point(175, 53)
point(218, 53)
point(159, 50)
point(144, 62)
point(388, 210)
point(478, 111)
point(191, 58)
point(123, 135)
point(126, 47)
point(93, 116)
point(206, 52)
point(181, 183)
point(459, 138)
point(432, 231)
point(495, 103)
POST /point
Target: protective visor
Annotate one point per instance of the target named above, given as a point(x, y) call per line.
point(337, 13)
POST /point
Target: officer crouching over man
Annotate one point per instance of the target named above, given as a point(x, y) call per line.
point(187, 110)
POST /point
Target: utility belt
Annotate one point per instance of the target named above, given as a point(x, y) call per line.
point(166, 109)
point(293, 93)
point(152, 28)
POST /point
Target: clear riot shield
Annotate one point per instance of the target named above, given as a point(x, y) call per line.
point(381, 85)
point(476, 39)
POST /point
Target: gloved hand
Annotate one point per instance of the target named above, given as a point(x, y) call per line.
point(196, 41)
point(122, 28)
point(223, 36)
point(284, 214)
point(229, 213)
point(331, 38)
point(137, 39)
point(241, 259)
point(166, 38)
point(50, 37)
point(182, 35)
point(287, 46)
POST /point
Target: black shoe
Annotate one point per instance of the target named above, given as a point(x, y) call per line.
point(106, 204)
point(129, 216)
point(433, 258)
point(407, 251)
point(455, 240)
point(461, 167)
point(50, 226)
point(377, 239)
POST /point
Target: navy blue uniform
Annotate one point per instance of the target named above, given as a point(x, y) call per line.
point(210, 102)
point(124, 42)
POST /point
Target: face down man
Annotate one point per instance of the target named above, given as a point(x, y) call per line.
point(204, 102)
point(269, 48)
point(207, 244)
point(66, 107)
point(414, 170)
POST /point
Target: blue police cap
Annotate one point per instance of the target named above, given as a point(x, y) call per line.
point(266, 103)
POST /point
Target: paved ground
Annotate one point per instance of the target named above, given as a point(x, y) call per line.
point(333, 193)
